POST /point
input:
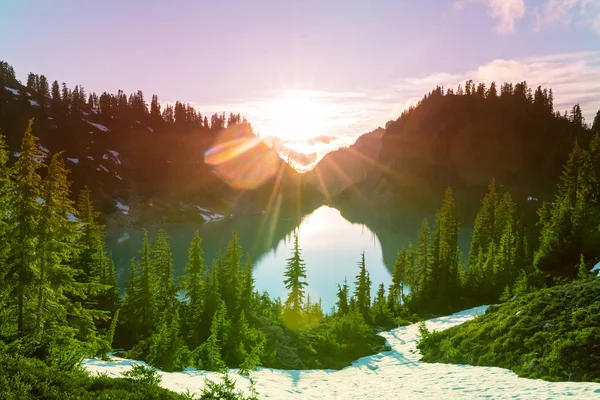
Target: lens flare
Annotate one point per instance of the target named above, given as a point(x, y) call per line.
point(241, 158)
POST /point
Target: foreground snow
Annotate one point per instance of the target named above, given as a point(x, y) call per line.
point(392, 374)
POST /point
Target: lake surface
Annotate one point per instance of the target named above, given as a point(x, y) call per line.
point(331, 246)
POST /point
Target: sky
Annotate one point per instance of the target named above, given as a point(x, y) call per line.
point(314, 74)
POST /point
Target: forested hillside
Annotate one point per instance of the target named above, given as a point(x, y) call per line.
point(149, 157)
point(463, 138)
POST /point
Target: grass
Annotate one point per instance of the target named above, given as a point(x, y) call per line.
point(551, 334)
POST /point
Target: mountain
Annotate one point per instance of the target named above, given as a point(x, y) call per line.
point(345, 167)
point(148, 165)
point(464, 139)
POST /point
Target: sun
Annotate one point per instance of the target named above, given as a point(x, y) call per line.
point(298, 115)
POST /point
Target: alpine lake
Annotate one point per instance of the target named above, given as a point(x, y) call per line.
point(331, 244)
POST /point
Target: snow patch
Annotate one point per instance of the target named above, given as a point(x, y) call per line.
point(102, 167)
point(90, 158)
point(530, 198)
point(33, 102)
point(115, 156)
point(208, 215)
point(73, 160)
point(596, 269)
point(384, 375)
point(13, 91)
point(150, 129)
point(118, 177)
point(97, 126)
point(42, 148)
point(124, 209)
point(72, 217)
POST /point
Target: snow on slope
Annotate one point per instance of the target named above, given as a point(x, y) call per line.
point(13, 91)
point(392, 374)
point(97, 126)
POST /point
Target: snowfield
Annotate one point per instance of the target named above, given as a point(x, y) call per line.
point(392, 374)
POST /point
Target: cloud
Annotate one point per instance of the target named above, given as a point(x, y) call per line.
point(551, 12)
point(596, 24)
point(568, 12)
point(506, 12)
point(574, 78)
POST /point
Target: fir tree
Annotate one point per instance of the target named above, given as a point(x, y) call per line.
point(192, 285)
point(342, 302)
point(167, 348)
point(362, 290)
point(163, 273)
point(145, 288)
point(25, 258)
point(596, 123)
point(295, 275)
point(56, 246)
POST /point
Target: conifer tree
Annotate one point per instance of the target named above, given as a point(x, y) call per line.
point(192, 285)
point(445, 263)
point(342, 302)
point(247, 292)
point(6, 198)
point(90, 240)
point(6, 227)
point(230, 275)
point(25, 258)
point(163, 273)
point(422, 270)
point(167, 348)
point(596, 123)
point(362, 290)
point(295, 275)
point(57, 235)
point(145, 288)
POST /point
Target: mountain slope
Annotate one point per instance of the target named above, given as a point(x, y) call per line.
point(465, 140)
point(345, 167)
point(144, 165)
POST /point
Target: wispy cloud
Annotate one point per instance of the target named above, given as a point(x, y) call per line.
point(505, 12)
point(568, 12)
point(548, 13)
point(574, 78)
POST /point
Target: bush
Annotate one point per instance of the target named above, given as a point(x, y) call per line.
point(551, 334)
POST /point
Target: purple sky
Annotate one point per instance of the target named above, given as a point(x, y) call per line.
point(341, 67)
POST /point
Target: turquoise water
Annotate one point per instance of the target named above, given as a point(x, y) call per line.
point(331, 247)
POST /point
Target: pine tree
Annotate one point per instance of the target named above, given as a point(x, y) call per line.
point(57, 235)
point(25, 258)
point(145, 288)
point(163, 273)
point(423, 259)
point(342, 304)
point(90, 240)
point(445, 257)
point(295, 275)
point(6, 228)
point(596, 123)
point(381, 314)
point(167, 348)
point(247, 292)
point(362, 290)
point(230, 275)
point(193, 287)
